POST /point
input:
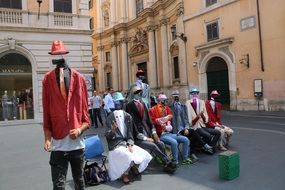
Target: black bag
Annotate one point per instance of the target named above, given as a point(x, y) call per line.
point(94, 174)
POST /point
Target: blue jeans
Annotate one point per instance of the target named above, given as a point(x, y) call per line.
point(173, 140)
point(59, 164)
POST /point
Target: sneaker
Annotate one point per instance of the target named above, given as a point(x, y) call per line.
point(222, 148)
point(187, 162)
point(194, 158)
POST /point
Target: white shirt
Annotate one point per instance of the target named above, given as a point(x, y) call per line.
point(96, 101)
point(212, 102)
point(109, 102)
point(67, 144)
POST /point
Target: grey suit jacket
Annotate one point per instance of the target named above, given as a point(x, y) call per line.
point(117, 139)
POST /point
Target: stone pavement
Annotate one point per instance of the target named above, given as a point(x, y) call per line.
point(258, 137)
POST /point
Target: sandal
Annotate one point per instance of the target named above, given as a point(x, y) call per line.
point(125, 179)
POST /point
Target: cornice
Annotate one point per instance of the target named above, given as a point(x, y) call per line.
point(45, 30)
point(214, 44)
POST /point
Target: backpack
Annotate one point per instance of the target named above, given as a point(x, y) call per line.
point(94, 174)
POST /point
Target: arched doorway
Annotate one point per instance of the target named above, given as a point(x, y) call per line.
point(16, 87)
point(217, 78)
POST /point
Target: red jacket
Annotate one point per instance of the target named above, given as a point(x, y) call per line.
point(155, 113)
point(60, 117)
point(214, 116)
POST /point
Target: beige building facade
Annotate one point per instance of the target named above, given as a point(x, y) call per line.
point(234, 46)
point(26, 35)
point(132, 35)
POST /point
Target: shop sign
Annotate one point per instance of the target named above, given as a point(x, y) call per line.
point(11, 71)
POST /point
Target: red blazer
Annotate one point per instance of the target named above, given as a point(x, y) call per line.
point(60, 117)
point(214, 117)
point(155, 113)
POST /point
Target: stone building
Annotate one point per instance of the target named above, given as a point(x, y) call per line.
point(234, 46)
point(26, 34)
point(137, 34)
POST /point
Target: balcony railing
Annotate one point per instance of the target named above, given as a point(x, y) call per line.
point(20, 18)
point(11, 16)
point(63, 20)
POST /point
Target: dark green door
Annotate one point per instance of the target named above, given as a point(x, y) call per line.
point(217, 79)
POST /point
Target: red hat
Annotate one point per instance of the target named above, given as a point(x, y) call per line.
point(58, 48)
point(140, 72)
point(214, 93)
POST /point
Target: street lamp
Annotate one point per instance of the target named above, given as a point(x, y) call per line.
point(179, 35)
point(39, 10)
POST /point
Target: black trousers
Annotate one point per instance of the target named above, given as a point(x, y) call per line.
point(211, 136)
point(195, 139)
point(91, 116)
point(59, 165)
point(97, 114)
point(158, 148)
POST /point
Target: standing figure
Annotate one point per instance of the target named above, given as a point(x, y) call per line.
point(123, 154)
point(214, 109)
point(5, 105)
point(109, 105)
point(96, 102)
point(65, 112)
point(161, 116)
point(198, 117)
point(145, 94)
point(90, 110)
point(181, 126)
point(15, 102)
point(144, 132)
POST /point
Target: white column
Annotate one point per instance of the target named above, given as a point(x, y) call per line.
point(132, 9)
point(101, 69)
point(113, 13)
point(99, 16)
point(124, 72)
point(165, 60)
point(183, 69)
point(123, 11)
point(74, 7)
point(115, 76)
point(151, 65)
point(24, 5)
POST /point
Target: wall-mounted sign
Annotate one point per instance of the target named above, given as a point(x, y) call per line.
point(247, 23)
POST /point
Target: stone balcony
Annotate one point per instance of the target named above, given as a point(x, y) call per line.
point(52, 20)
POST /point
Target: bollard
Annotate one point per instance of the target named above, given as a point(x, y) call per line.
point(229, 165)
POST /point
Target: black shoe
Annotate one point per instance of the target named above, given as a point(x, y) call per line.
point(170, 168)
point(194, 158)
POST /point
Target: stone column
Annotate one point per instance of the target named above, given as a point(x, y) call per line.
point(152, 65)
point(125, 72)
point(115, 76)
point(99, 16)
point(124, 11)
point(101, 68)
point(183, 69)
point(113, 13)
point(165, 52)
point(132, 9)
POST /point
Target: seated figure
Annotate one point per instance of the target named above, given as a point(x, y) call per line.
point(214, 112)
point(161, 116)
point(181, 126)
point(144, 132)
point(198, 117)
point(123, 154)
